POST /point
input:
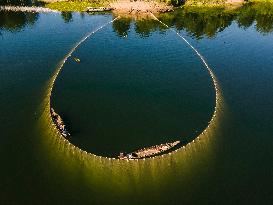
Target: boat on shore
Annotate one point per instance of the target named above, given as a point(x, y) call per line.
point(59, 123)
point(149, 151)
point(98, 9)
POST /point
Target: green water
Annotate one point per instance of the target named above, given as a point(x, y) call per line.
point(137, 84)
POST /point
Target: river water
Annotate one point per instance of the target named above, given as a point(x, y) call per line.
point(138, 84)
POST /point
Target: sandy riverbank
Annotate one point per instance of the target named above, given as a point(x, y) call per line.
point(135, 7)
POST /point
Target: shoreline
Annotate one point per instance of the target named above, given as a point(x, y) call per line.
point(134, 7)
point(137, 7)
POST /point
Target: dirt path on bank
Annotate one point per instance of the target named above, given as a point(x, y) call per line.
point(131, 6)
point(234, 1)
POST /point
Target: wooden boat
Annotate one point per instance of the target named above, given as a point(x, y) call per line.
point(59, 123)
point(98, 9)
point(149, 151)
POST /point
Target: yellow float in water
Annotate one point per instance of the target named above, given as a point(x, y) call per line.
point(77, 60)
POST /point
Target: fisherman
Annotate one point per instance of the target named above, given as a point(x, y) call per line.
point(129, 156)
point(121, 155)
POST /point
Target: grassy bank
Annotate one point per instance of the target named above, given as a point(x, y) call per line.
point(223, 3)
point(76, 5)
point(200, 5)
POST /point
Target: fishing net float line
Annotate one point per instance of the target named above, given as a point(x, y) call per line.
point(69, 54)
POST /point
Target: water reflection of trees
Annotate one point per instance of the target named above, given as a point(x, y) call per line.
point(15, 21)
point(259, 13)
point(145, 27)
point(199, 23)
point(122, 26)
point(67, 16)
point(206, 22)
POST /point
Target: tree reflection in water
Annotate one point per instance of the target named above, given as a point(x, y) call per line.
point(261, 13)
point(203, 22)
point(15, 21)
point(67, 16)
point(197, 22)
point(122, 26)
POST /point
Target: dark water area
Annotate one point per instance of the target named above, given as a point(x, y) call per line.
point(138, 84)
